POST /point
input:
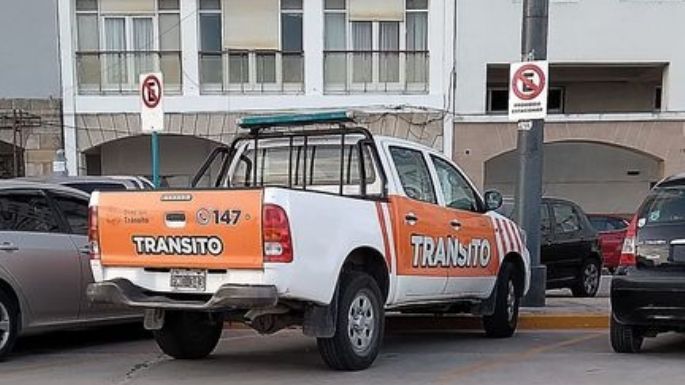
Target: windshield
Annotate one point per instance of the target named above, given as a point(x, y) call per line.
point(664, 205)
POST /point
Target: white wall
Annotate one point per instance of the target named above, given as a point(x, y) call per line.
point(580, 31)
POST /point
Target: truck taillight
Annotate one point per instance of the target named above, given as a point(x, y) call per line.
point(278, 244)
point(93, 236)
point(629, 251)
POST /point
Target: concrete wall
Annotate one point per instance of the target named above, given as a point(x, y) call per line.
point(581, 31)
point(29, 55)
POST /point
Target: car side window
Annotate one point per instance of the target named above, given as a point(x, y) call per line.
point(565, 218)
point(27, 212)
point(457, 191)
point(75, 211)
point(414, 175)
point(545, 225)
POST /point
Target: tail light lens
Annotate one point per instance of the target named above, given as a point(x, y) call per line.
point(629, 251)
point(278, 244)
point(93, 235)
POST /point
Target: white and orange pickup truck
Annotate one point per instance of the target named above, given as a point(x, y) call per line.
point(323, 228)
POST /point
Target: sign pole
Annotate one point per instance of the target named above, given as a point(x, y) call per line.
point(155, 158)
point(530, 152)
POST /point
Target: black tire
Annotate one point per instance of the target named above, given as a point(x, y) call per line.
point(359, 301)
point(589, 278)
point(625, 338)
point(502, 323)
point(9, 324)
point(189, 335)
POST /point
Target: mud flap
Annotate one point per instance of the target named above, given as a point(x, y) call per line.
point(320, 321)
point(487, 306)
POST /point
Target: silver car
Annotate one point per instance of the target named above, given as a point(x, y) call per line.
point(44, 262)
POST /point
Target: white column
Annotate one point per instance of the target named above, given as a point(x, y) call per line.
point(312, 34)
point(190, 47)
point(68, 82)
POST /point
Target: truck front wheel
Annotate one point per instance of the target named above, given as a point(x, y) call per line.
point(189, 335)
point(359, 327)
point(502, 323)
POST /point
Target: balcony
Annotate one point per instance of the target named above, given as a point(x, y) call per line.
point(251, 72)
point(117, 72)
point(376, 71)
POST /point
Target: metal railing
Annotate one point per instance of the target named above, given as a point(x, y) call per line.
point(251, 71)
point(376, 71)
point(117, 72)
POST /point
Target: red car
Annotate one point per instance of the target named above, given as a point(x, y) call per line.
point(612, 231)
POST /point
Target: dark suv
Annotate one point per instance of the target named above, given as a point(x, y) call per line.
point(569, 246)
point(648, 292)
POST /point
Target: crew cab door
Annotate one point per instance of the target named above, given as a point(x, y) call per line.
point(569, 247)
point(473, 265)
point(418, 223)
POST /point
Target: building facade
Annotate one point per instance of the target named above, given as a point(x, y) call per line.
point(433, 71)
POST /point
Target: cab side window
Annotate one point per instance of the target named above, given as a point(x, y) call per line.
point(565, 219)
point(414, 175)
point(457, 191)
point(545, 225)
point(28, 212)
point(75, 211)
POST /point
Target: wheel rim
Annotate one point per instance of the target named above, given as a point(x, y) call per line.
point(591, 275)
point(361, 323)
point(5, 326)
point(511, 301)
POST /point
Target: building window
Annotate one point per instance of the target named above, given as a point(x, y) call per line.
point(117, 41)
point(376, 46)
point(237, 57)
point(498, 100)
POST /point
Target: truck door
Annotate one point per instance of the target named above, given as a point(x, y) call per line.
point(418, 226)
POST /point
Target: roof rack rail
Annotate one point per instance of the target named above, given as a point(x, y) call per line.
point(290, 120)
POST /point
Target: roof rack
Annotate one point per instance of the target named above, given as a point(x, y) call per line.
point(289, 120)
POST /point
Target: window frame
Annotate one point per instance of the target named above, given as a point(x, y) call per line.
point(480, 205)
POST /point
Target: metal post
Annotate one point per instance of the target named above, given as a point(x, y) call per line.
point(530, 148)
point(15, 155)
point(155, 159)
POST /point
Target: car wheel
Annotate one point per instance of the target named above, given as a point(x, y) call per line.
point(189, 335)
point(588, 281)
point(359, 326)
point(502, 323)
point(9, 324)
point(625, 338)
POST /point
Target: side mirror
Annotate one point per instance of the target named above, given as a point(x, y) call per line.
point(493, 200)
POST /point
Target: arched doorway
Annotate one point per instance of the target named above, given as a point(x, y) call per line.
point(180, 157)
point(600, 177)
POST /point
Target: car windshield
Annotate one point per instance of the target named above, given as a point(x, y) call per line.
point(664, 205)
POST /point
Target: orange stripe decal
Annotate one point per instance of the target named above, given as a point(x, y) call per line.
point(386, 244)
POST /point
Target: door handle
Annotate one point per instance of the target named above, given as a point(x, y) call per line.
point(455, 224)
point(8, 246)
point(411, 219)
point(85, 250)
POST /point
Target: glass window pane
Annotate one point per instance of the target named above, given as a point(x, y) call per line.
point(211, 68)
point(417, 31)
point(238, 68)
point(293, 68)
point(291, 34)
point(417, 4)
point(266, 68)
point(210, 32)
point(168, 4)
point(389, 40)
point(169, 32)
point(457, 192)
point(362, 70)
point(413, 173)
point(87, 26)
point(170, 65)
point(27, 212)
point(86, 5)
point(210, 4)
point(565, 219)
point(335, 34)
point(334, 4)
point(335, 68)
point(291, 4)
point(545, 226)
point(76, 213)
point(115, 42)
point(143, 40)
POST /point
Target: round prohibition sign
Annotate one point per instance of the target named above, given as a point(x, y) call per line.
point(151, 91)
point(527, 87)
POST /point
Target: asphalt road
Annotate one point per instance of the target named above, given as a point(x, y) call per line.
point(126, 355)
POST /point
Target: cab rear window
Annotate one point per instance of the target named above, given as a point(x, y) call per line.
point(664, 205)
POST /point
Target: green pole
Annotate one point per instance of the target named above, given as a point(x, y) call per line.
point(155, 159)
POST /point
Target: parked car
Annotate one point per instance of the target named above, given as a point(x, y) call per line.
point(648, 290)
point(569, 246)
point(612, 232)
point(44, 262)
point(89, 184)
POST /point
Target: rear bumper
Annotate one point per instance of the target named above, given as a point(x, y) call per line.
point(649, 298)
point(228, 296)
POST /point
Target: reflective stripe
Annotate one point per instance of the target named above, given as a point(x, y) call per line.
point(382, 223)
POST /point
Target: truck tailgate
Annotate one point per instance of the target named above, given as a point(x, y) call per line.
point(205, 229)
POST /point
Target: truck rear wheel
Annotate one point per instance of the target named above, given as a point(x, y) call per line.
point(502, 323)
point(360, 325)
point(9, 324)
point(625, 338)
point(189, 335)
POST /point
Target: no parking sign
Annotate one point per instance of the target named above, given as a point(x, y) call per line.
point(528, 87)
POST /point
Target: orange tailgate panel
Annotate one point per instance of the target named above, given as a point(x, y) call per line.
point(136, 229)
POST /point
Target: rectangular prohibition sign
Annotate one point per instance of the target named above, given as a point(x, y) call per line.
point(151, 103)
point(528, 87)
